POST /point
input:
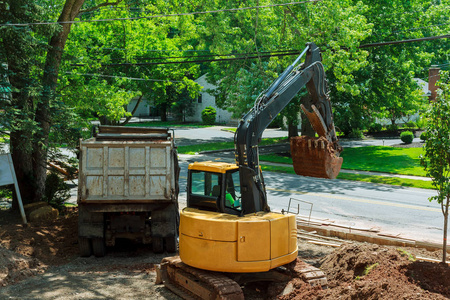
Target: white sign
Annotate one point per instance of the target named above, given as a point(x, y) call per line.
point(8, 176)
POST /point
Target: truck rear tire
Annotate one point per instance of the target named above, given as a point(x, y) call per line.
point(171, 244)
point(98, 247)
point(85, 246)
point(157, 244)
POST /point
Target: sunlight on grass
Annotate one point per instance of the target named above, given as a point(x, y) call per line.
point(384, 159)
point(392, 160)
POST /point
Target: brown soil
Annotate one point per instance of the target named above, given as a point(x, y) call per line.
point(47, 254)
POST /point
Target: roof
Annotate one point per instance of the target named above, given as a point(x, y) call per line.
point(213, 166)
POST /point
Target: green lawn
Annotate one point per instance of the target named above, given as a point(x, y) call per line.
point(392, 160)
point(403, 161)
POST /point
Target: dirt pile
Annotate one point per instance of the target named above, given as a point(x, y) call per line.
point(375, 272)
point(15, 267)
point(26, 250)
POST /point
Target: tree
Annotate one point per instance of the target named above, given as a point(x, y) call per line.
point(436, 159)
point(116, 60)
point(388, 89)
point(335, 26)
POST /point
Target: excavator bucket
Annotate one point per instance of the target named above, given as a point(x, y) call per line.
point(315, 157)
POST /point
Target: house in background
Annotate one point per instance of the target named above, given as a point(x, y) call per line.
point(204, 100)
point(147, 109)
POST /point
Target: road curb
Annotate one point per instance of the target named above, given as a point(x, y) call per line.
point(369, 238)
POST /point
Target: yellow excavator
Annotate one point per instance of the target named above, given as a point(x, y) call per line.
point(228, 236)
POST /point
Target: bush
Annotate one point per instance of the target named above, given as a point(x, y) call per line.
point(407, 137)
point(410, 124)
point(209, 115)
point(375, 127)
point(424, 136)
point(421, 122)
point(392, 127)
point(56, 191)
point(356, 134)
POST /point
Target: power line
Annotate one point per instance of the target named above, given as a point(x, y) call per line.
point(123, 77)
point(163, 15)
point(405, 41)
point(294, 52)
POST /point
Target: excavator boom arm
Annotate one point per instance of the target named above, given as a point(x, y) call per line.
point(248, 135)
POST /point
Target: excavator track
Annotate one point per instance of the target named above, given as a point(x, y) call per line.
point(192, 283)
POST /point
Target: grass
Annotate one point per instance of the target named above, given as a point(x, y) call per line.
point(393, 160)
point(404, 161)
point(359, 177)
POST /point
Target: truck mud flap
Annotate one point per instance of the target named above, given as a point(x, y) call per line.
point(315, 157)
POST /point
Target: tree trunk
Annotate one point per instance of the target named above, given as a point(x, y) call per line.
point(292, 130)
point(163, 111)
point(444, 244)
point(134, 110)
point(49, 82)
point(307, 128)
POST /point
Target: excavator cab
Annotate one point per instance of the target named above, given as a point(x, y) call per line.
point(214, 186)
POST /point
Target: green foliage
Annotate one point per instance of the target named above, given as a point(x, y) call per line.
point(56, 190)
point(6, 192)
point(410, 124)
point(277, 122)
point(375, 127)
point(392, 127)
point(356, 134)
point(421, 122)
point(423, 136)
point(436, 157)
point(209, 115)
point(368, 269)
point(405, 253)
point(407, 137)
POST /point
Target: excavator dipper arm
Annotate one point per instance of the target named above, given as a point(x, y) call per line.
point(267, 106)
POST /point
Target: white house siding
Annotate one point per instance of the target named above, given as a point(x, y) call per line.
point(143, 109)
point(222, 116)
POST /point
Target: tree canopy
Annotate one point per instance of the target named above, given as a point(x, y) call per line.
point(68, 62)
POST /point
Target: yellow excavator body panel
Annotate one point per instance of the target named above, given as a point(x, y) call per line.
point(212, 166)
point(226, 243)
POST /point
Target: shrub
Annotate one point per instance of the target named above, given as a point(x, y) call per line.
point(424, 136)
point(209, 115)
point(407, 137)
point(421, 122)
point(410, 124)
point(375, 127)
point(356, 134)
point(56, 190)
point(392, 127)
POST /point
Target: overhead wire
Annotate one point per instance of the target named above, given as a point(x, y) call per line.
point(161, 15)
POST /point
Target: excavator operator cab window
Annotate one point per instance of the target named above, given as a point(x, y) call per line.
point(204, 190)
point(233, 192)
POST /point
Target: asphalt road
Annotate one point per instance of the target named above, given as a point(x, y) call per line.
point(401, 211)
point(393, 210)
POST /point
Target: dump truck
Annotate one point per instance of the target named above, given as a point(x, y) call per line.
point(128, 188)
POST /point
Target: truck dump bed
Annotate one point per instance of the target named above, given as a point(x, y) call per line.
point(127, 165)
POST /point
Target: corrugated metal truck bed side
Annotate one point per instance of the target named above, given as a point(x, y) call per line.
point(126, 171)
point(128, 188)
